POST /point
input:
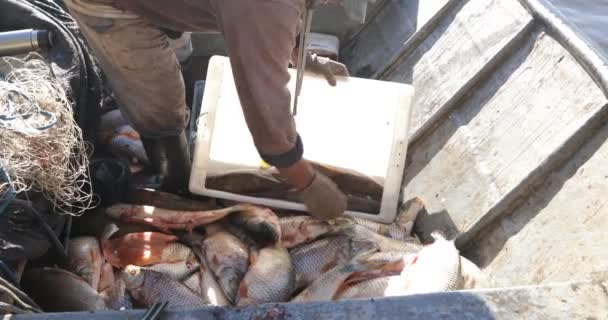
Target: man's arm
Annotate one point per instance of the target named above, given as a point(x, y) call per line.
point(259, 37)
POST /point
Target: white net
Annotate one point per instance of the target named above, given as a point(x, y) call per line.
point(41, 146)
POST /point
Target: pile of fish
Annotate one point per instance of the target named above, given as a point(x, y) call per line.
point(241, 255)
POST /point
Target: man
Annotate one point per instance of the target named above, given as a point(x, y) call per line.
point(142, 69)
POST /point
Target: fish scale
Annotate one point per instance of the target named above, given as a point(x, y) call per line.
point(310, 261)
point(302, 229)
point(149, 287)
point(327, 286)
point(384, 243)
point(374, 288)
point(227, 257)
point(270, 278)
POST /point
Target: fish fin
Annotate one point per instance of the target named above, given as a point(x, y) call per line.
point(243, 290)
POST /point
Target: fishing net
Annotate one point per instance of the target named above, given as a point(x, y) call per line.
point(41, 146)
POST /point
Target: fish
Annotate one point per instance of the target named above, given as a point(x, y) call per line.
point(311, 260)
point(354, 202)
point(374, 284)
point(178, 261)
point(262, 224)
point(93, 224)
point(113, 290)
point(270, 278)
point(408, 212)
point(357, 231)
point(85, 259)
point(302, 229)
point(228, 258)
point(392, 230)
point(139, 249)
point(126, 144)
point(351, 182)
point(116, 297)
point(204, 282)
point(246, 181)
point(106, 278)
point(108, 124)
point(57, 290)
point(148, 287)
point(472, 276)
point(435, 269)
point(120, 139)
point(167, 219)
point(149, 197)
point(374, 288)
point(332, 283)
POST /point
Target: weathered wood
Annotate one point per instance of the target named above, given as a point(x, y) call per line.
point(455, 53)
point(384, 35)
point(502, 136)
point(559, 233)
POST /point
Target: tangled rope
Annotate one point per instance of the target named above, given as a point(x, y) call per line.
point(41, 146)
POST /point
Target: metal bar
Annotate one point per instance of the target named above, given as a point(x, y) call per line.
point(302, 57)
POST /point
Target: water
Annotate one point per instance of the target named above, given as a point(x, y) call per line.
point(590, 17)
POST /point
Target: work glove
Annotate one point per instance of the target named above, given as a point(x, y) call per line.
point(326, 67)
point(323, 199)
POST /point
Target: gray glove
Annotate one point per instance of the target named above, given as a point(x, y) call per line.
point(326, 67)
point(323, 199)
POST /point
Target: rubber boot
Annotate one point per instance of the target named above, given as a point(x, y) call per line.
point(180, 163)
point(157, 154)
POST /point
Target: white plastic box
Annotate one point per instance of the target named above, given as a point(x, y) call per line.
point(360, 124)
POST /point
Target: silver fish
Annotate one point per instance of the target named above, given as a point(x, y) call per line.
point(180, 264)
point(388, 230)
point(472, 276)
point(85, 259)
point(270, 278)
point(302, 229)
point(374, 288)
point(228, 258)
point(408, 212)
point(57, 290)
point(436, 268)
point(262, 224)
point(330, 285)
point(116, 296)
point(385, 244)
point(203, 282)
point(149, 287)
point(311, 260)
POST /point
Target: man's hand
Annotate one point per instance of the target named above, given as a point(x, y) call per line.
point(321, 196)
point(326, 67)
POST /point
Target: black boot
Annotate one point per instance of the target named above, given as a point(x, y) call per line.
point(157, 153)
point(180, 163)
point(170, 159)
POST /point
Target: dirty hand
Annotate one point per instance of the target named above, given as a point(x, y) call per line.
point(326, 67)
point(321, 196)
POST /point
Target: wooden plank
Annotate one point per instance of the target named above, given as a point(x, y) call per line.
point(494, 143)
point(458, 49)
point(559, 234)
point(384, 36)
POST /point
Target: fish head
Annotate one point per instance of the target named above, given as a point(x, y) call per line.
point(133, 276)
point(260, 223)
point(118, 210)
point(359, 247)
